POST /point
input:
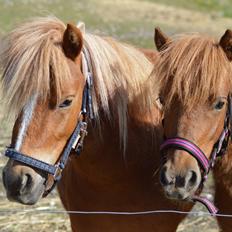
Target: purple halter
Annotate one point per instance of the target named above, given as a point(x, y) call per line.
point(206, 164)
point(186, 145)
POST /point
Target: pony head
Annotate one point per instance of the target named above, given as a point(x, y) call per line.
point(193, 77)
point(43, 84)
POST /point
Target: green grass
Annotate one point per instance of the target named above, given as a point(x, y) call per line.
point(220, 7)
point(129, 20)
point(96, 18)
point(112, 18)
point(14, 11)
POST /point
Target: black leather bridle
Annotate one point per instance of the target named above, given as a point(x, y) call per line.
point(75, 141)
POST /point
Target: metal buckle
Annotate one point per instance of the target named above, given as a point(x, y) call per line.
point(83, 134)
point(78, 144)
point(57, 174)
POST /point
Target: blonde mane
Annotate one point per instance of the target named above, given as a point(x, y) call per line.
point(192, 68)
point(32, 50)
point(28, 55)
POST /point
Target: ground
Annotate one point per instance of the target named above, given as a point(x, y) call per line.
point(128, 20)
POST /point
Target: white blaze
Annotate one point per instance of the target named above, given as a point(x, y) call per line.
point(26, 118)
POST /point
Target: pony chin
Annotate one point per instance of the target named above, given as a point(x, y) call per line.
point(29, 198)
point(179, 195)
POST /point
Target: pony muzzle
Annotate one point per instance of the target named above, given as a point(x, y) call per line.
point(179, 184)
point(181, 181)
point(22, 183)
point(186, 186)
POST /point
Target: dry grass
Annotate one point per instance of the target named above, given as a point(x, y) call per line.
point(32, 220)
point(130, 20)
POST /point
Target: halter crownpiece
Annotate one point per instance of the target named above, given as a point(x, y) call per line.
point(75, 141)
point(205, 164)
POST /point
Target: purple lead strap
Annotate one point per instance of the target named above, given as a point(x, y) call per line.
point(207, 203)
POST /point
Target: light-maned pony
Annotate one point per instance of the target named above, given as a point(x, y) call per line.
point(43, 85)
point(194, 78)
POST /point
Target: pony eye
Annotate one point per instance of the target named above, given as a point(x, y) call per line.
point(161, 100)
point(65, 103)
point(219, 105)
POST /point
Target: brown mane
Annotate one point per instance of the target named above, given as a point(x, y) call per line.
point(191, 68)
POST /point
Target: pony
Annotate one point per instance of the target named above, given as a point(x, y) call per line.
point(193, 77)
point(44, 64)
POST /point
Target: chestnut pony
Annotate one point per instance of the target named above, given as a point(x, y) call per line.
point(43, 84)
point(194, 77)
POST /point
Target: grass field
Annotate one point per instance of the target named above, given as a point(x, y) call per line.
point(128, 20)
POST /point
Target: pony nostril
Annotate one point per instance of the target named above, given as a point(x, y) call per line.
point(163, 178)
point(192, 181)
point(26, 183)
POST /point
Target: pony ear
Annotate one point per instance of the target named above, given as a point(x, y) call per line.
point(72, 41)
point(226, 43)
point(161, 40)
